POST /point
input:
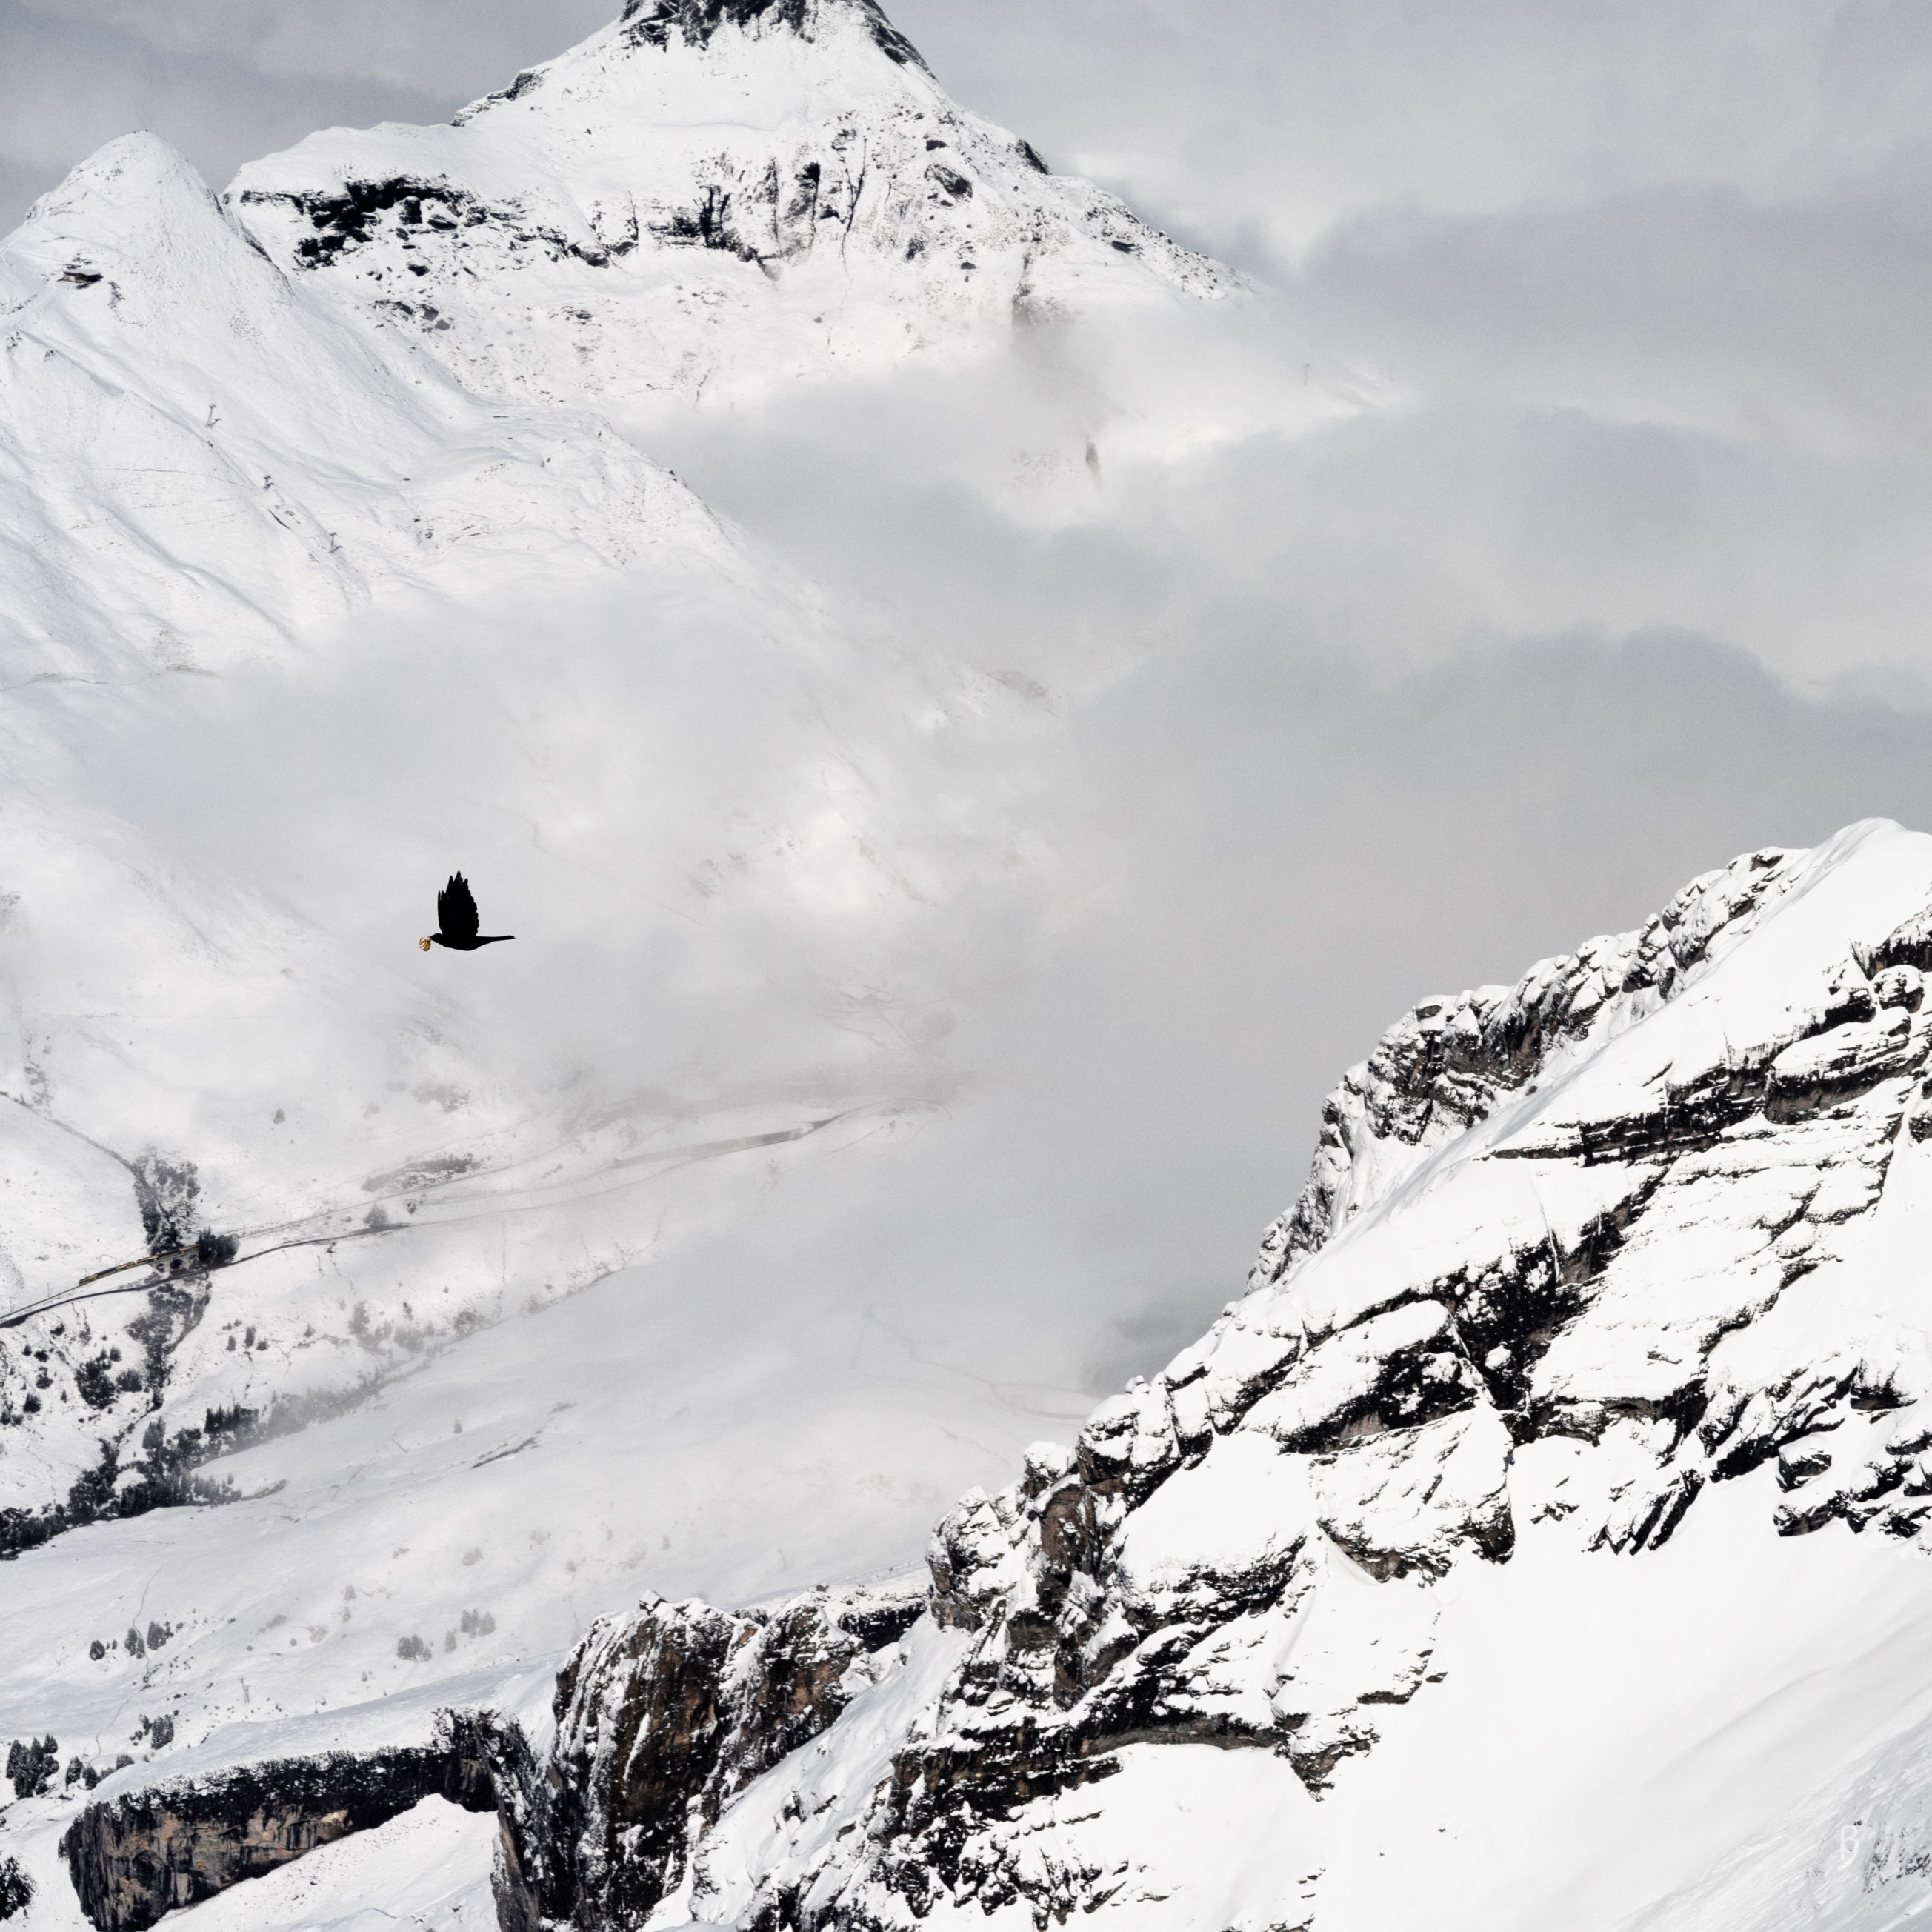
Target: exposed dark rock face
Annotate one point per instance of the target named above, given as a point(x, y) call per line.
point(419, 210)
point(653, 22)
point(765, 214)
point(663, 1718)
point(136, 1857)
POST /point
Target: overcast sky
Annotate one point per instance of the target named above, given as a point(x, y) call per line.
point(1256, 126)
point(1628, 573)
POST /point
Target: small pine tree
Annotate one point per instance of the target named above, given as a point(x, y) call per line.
point(17, 1889)
point(31, 1766)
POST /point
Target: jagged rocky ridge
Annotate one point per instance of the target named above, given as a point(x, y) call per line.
point(1572, 1251)
point(664, 1718)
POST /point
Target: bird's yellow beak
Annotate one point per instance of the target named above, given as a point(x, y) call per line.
point(424, 944)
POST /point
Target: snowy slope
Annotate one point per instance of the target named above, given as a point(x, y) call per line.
point(280, 588)
point(705, 199)
point(750, 861)
point(198, 458)
point(361, 377)
point(1540, 1540)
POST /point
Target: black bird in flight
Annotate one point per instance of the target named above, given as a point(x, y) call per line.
point(456, 920)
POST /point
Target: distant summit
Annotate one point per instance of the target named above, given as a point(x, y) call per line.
point(706, 197)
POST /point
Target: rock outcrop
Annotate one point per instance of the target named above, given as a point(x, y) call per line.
point(663, 1719)
point(1572, 1253)
point(137, 1855)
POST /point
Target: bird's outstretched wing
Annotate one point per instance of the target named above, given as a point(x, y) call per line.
point(455, 910)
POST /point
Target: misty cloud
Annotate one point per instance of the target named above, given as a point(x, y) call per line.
point(1258, 127)
point(72, 80)
point(435, 47)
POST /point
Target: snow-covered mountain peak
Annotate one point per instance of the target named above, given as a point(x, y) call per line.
point(226, 423)
point(704, 198)
point(696, 62)
point(135, 197)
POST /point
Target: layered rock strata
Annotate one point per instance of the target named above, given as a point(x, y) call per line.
point(663, 1718)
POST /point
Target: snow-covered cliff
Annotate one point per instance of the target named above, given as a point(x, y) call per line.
point(1580, 1258)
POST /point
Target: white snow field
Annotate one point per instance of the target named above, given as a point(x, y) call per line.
point(607, 1262)
point(198, 456)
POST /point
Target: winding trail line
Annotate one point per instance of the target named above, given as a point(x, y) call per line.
point(84, 1290)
